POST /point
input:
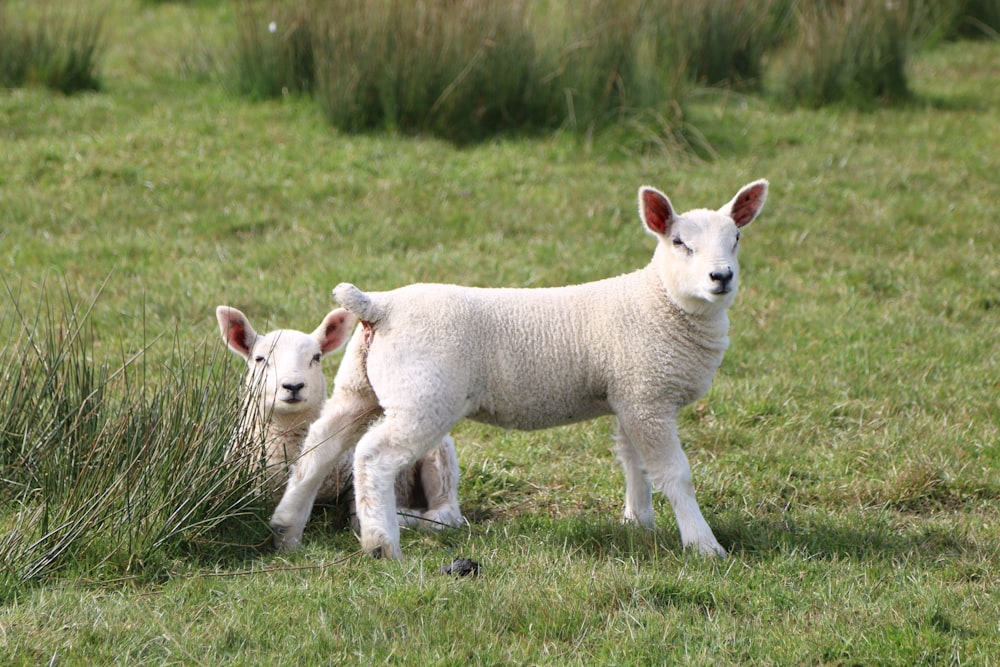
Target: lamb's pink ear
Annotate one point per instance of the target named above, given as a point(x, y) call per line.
point(236, 330)
point(746, 205)
point(655, 210)
point(335, 330)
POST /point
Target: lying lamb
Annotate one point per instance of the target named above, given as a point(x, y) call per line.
point(284, 391)
point(640, 346)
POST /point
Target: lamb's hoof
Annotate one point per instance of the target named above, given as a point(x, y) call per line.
point(285, 539)
point(708, 550)
point(460, 567)
point(644, 520)
point(385, 552)
point(439, 519)
point(410, 518)
point(381, 549)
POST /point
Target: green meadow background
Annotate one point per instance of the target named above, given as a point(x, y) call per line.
point(162, 158)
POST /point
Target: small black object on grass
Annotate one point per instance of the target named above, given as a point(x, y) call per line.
point(460, 567)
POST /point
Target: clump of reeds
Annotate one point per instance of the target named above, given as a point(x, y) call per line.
point(49, 49)
point(459, 69)
point(468, 70)
point(722, 41)
point(107, 471)
point(275, 53)
point(852, 51)
point(978, 19)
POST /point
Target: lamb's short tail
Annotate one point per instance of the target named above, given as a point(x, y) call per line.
point(357, 302)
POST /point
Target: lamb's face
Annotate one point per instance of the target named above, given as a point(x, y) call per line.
point(285, 369)
point(697, 251)
point(703, 267)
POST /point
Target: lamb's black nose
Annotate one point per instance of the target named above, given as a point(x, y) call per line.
point(294, 388)
point(721, 276)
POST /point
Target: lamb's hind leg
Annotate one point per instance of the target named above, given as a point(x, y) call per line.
point(668, 470)
point(384, 451)
point(344, 418)
point(433, 485)
point(439, 477)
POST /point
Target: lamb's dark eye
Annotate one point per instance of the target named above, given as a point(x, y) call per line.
point(317, 357)
point(679, 243)
point(260, 359)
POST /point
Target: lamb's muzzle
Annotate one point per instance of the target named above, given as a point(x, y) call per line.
point(639, 346)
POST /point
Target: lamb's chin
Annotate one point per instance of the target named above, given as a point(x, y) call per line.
point(707, 303)
point(719, 298)
point(291, 407)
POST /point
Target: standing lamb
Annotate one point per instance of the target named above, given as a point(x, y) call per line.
point(640, 346)
point(284, 392)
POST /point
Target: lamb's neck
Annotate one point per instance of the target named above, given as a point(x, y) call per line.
point(710, 325)
point(289, 428)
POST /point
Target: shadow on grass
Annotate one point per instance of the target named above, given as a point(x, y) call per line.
point(822, 536)
point(841, 535)
point(957, 102)
point(856, 536)
point(240, 542)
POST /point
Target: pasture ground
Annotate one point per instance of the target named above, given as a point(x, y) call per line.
point(847, 454)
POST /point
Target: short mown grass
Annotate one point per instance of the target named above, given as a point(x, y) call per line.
point(846, 455)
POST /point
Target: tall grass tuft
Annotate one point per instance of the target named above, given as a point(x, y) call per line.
point(274, 53)
point(586, 66)
point(721, 41)
point(465, 70)
point(851, 52)
point(59, 52)
point(106, 471)
point(456, 69)
point(980, 18)
point(468, 70)
point(957, 19)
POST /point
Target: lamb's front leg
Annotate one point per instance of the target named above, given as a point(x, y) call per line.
point(668, 470)
point(638, 492)
point(338, 428)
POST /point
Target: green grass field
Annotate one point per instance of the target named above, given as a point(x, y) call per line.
point(847, 454)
